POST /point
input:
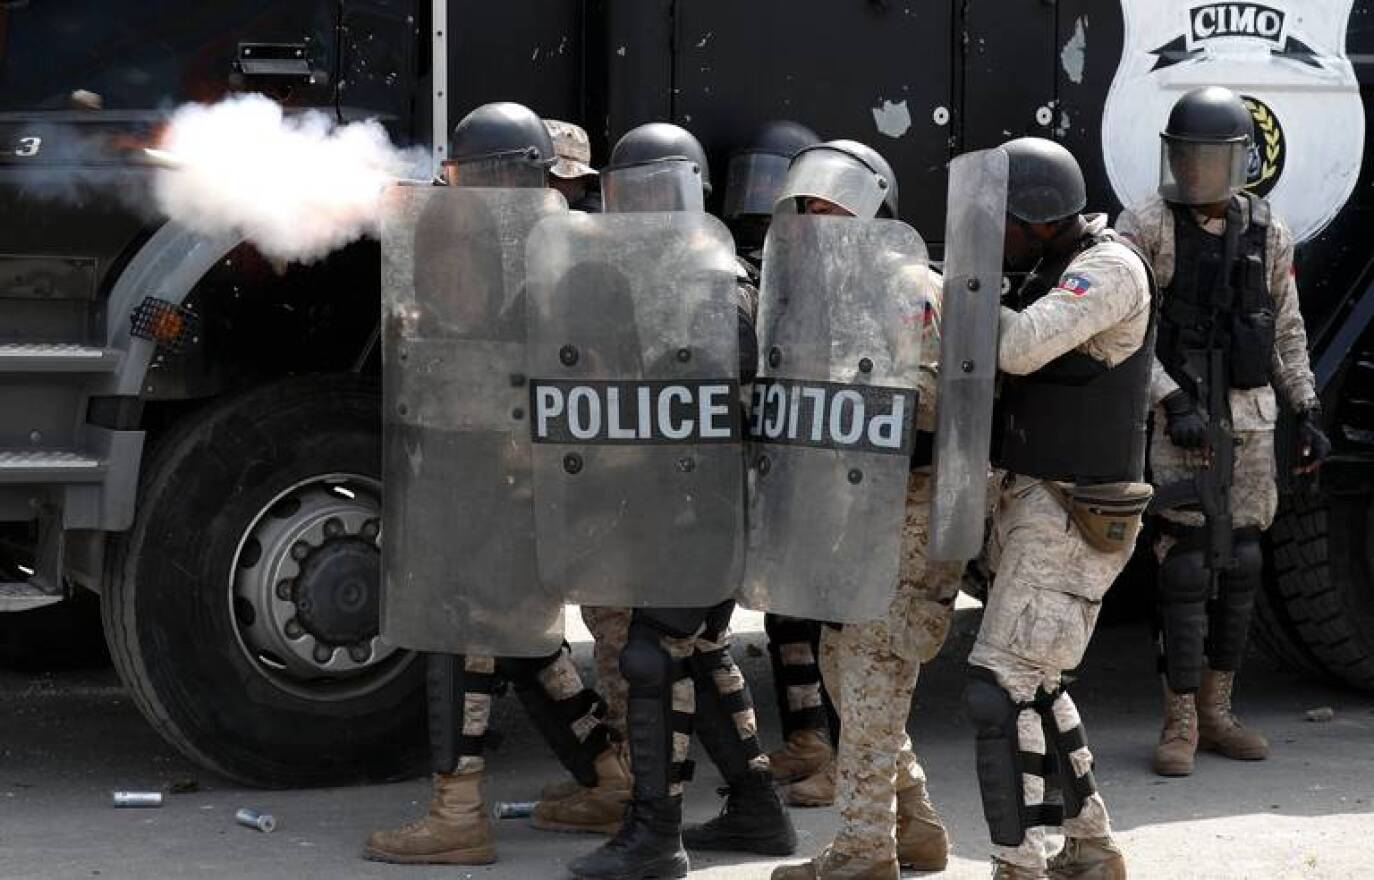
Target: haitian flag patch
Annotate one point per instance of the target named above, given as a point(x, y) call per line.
point(1074, 285)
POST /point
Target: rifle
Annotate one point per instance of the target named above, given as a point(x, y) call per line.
point(1209, 488)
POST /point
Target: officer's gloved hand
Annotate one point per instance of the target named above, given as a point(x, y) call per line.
point(1185, 425)
point(1313, 445)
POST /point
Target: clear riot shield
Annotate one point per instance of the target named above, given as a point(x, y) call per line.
point(831, 427)
point(635, 409)
point(458, 511)
point(968, 352)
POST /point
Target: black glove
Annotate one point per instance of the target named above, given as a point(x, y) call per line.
point(1185, 426)
point(1313, 445)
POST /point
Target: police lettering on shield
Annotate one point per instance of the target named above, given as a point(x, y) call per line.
point(829, 415)
point(638, 413)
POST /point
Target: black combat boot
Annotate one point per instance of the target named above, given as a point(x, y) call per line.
point(753, 820)
point(649, 844)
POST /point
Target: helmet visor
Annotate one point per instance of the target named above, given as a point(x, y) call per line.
point(520, 169)
point(835, 177)
point(669, 185)
point(753, 183)
point(1201, 172)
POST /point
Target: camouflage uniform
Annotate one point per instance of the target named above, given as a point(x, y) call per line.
point(870, 669)
point(550, 685)
point(1046, 595)
point(610, 627)
point(1254, 494)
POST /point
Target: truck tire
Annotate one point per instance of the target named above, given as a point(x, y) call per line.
point(254, 553)
point(1318, 608)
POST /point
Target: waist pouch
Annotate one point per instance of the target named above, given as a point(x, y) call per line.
point(1108, 515)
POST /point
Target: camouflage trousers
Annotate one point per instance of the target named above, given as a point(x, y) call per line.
point(709, 650)
point(610, 629)
point(870, 671)
point(1254, 489)
point(1039, 617)
point(577, 721)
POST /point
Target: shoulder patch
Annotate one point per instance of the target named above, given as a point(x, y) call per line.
point(1074, 285)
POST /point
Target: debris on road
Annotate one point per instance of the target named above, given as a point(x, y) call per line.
point(250, 818)
point(136, 798)
point(513, 809)
point(1322, 714)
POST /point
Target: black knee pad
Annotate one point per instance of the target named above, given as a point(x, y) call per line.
point(1074, 788)
point(715, 716)
point(446, 685)
point(1230, 613)
point(645, 665)
point(555, 718)
point(1184, 584)
point(1001, 761)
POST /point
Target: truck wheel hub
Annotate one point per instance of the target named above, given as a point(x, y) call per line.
point(306, 589)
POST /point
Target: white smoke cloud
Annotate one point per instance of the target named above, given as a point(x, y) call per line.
point(297, 187)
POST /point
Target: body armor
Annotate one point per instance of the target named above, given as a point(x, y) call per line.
point(1075, 420)
point(1209, 305)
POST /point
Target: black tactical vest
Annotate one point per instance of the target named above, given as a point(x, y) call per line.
point(1209, 304)
point(1076, 420)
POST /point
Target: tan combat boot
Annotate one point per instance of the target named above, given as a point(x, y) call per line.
point(830, 865)
point(1088, 858)
point(922, 841)
point(1007, 871)
point(455, 832)
point(804, 754)
point(1219, 730)
point(559, 789)
point(817, 790)
point(596, 810)
point(1178, 739)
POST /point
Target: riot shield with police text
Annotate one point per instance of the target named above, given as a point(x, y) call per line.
point(635, 412)
point(842, 312)
point(972, 300)
point(458, 518)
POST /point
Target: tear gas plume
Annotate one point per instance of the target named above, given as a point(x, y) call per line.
point(296, 186)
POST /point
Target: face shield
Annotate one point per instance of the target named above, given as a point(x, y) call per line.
point(753, 183)
point(667, 185)
point(1201, 172)
point(836, 177)
point(518, 169)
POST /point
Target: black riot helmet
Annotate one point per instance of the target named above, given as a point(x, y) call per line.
point(500, 145)
point(1205, 148)
point(758, 169)
point(845, 173)
point(656, 167)
point(1044, 182)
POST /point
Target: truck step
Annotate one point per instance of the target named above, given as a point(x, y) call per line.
point(49, 466)
point(23, 596)
point(56, 357)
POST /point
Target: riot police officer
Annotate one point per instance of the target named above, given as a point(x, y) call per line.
point(871, 668)
point(505, 146)
point(677, 660)
point(810, 728)
point(1230, 330)
point(1075, 352)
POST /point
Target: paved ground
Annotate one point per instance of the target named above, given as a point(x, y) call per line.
point(68, 739)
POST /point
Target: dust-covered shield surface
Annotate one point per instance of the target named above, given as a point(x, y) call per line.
point(635, 409)
point(841, 317)
point(458, 557)
point(972, 300)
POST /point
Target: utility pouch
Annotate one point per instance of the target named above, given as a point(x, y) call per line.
point(1108, 515)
